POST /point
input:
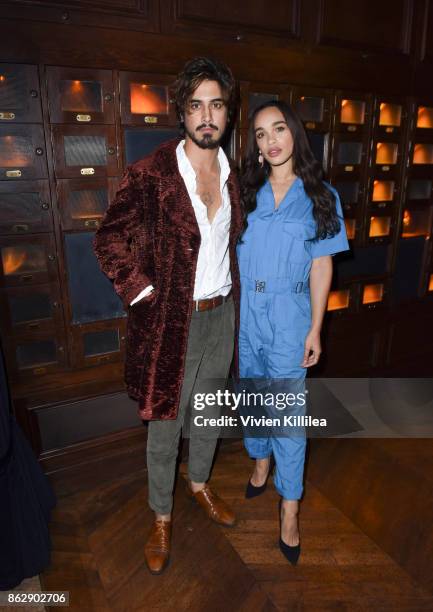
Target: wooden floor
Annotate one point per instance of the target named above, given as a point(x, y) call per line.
point(102, 519)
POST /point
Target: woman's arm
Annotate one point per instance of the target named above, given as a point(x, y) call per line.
point(320, 283)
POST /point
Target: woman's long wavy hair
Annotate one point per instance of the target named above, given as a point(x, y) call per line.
point(305, 166)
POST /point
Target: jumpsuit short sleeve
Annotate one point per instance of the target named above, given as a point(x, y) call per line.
point(336, 244)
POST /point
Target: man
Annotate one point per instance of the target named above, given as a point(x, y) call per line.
point(168, 242)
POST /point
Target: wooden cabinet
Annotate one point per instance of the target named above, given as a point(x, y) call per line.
point(145, 99)
point(25, 207)
point(84, 151)
point(22, 152)
point(20, 100)
point(80, 95)
point(256, 22)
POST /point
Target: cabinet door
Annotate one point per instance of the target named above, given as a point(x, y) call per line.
point(35, 354)
point(98, 343)
point(141, 141)
point(27, 260)
point(86, 151)
point(25, 207)
point(254, 22)
point(352, 112)
point(22, 152)
point(314, 107)
point(82, 202)
point(253, 94)
point(19, 94)
point(139, 15)
point(145, 99)
point(80, 95)
point(26, 309)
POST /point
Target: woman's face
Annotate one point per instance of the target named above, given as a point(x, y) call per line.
point(273, 137)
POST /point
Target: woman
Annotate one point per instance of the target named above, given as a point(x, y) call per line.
point(293, 224)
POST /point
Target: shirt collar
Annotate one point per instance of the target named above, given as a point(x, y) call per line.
point(188, 172)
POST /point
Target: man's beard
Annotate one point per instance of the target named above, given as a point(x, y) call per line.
point(206, 141)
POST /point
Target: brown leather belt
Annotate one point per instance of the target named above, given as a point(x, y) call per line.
point(210, 303)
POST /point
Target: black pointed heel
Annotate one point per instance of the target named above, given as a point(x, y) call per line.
point(290, 552)
point(252, 490)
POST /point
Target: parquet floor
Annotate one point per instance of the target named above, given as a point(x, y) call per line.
point(102, 519)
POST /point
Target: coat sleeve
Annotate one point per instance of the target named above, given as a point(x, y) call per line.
point(113, 240)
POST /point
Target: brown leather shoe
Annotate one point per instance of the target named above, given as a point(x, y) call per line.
point(157, 548)
point(214, 506)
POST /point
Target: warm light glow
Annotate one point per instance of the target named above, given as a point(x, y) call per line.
point(302, 98)
point(415, 224)
point(383, 191)
point(430, 285)
point(13, 259)
point(390, 114)
point(386, 153)
point(352, 111)
point(372, 293)
point(425, 117)
point(423, 154)
point(379, 226)
point(148, 99)
point(13, 151)
point(350, 228)
point(2, 77)
point(338, 299)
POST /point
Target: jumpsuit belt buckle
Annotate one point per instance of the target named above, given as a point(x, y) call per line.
point(260, 286)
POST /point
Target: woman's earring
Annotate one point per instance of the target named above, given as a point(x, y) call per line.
point(261, 159)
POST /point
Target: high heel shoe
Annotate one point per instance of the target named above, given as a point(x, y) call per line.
point(290, 552)
point(252, 490)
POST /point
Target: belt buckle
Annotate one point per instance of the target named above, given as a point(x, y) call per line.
point(260, 286)
point(299, 286)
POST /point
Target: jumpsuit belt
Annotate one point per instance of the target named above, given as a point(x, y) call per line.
point(274, 285)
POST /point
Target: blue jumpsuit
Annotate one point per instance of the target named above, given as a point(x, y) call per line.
point(275, 262)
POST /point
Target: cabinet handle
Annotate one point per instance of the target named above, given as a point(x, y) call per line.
point(51, 257)
point(33, 93)
point(108, 97)
point(45, 206)
point(111, 150)
point(39, 151)
point(23, 227)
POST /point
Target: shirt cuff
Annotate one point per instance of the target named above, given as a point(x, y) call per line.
point(142, 294)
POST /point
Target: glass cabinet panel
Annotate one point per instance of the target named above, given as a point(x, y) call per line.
point(352, 111)
point(350, 227)
point(383, 191)
point(386, 153)
point(423, 153)
point(140, 142)
point(19, 94)
point(390, 114)
point(145, 99)
point(22, 152)
point(419, 189)
point(425, 117)
point(379, 226)
point(80, 95)
point(348, 191)
point(27, 260)
point(310, 108)
point(101, 342)
point(339, 299)
point(372, 293)
point(416, 222)
point(24, 207)
point(349, 152)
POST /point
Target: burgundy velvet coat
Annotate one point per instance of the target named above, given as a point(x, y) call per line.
point(150, 235)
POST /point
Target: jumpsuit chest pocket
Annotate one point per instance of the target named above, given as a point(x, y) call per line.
point(297, 233)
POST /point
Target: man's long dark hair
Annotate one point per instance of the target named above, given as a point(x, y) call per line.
point(193, 74)
point(305, 166)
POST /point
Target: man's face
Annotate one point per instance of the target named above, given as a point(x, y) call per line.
point(205, 116)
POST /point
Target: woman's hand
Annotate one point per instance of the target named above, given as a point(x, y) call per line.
point(312, 344)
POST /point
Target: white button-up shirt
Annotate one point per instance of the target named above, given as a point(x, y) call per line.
point(212, 276)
